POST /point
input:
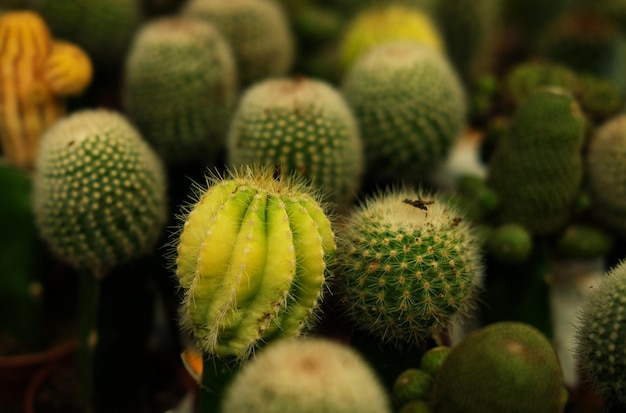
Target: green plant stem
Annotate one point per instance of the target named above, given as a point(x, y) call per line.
point(217, 374)
point(88, 309)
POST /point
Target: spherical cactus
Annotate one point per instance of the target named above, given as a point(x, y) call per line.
point(536, 168)
point(600, 336)
point(505, 367)
point(580, 241)
point(408, 263)
point(252, 259)
point(180, 87)
point(303, 125)
point(599, 97)
point(306, 375)
point(390, 22)
point(99, 191)
point(411, 384)
point(510, 243)
point(433, 359)
point(257, 31)
point(607, 173)
point(410, 106)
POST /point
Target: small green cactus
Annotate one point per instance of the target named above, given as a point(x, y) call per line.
point(582, 241)
point(408, 264)
point(306, 375)
point(257, 31)
point(305, 126)
point(252, 260)
point(537, 167)
point(505, 367)
point(433, 359)
point(410, 106)
point(411, 384)
point(180, 86)
point(600, 336)
point(99, 191)
point(510, 243)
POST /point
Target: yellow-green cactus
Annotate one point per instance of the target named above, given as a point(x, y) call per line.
point(36, 73)
point(252, 260)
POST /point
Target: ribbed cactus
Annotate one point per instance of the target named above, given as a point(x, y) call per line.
point(408, 263)
point(180, 86)
point(305, 126)
point(252, 259)
point(600, 336)
point(410, 106)
point(504, 367)
point(607, 173)
point(307, 375)
point(36, 74)
point(389, 22)
point(536, 168)
point(99, 191)
point(257, 31)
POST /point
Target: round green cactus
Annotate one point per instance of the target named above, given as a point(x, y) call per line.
point(409, 263)
point(581, 241)
point(306, 375)
point(510, 243)
point(375, 25)
point(607, 173)
point(411, 384)
point(410, 106)
point(180, 87)
point(537, 166)
point(505, 367)
point(252, 259)
point(305, 126)
point(600, 336)
point(99, 191)
point(257, 31)
point(433, 359)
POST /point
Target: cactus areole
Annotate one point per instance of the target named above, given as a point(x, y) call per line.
point(252, 259)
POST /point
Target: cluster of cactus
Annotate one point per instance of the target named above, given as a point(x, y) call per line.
point(38, 73)
point(411, 109)
point(180, 86)
point(408, 264)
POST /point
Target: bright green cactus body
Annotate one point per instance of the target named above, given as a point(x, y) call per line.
point(305, 126)
point(504, 367)
point(180, 88)
point(410, 106)
point(607, 173)
point(307, 375)
point(536, 168)
point(409, 264)
point(600, 336)
point(99, 191)
point(252, 259)
point(257, 31)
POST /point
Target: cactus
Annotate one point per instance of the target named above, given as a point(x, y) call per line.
point(180, 88)
point(390, 22)
point(433, 359)
point(410, 106)
point(536, 168)
point(257, 31)
point(305, 126)
point(607, 173)
point(36, 74)
point(408, 264)
point(583, 241)
point(98, 191)
point(600, 337)
point(599, 98)
point(510, 243)
point(307, 375)
point(504, 367)
point(411, 384)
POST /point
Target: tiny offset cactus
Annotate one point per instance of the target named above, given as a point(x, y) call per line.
point(510, 243)
point(36, 73)
point(258, 32)
point(410, 106)
point(99, 191)
point(306, 375)
point(180, 85)
point(600, 336)
point(504, 367)
point(305, 126)
point(408, 263)
point(252, 259)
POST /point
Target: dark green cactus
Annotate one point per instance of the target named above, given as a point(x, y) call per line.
point(510, 243)
point(305, 126)
point(536, 168)
point(409, 263)
point(410, 106)
point(583, 241)
point(433, 359)
point(411, 384)
point(180, 86)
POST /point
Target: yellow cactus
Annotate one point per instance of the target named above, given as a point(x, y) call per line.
point(36, 73)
